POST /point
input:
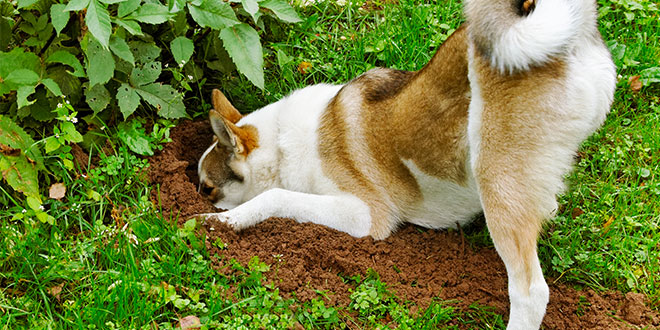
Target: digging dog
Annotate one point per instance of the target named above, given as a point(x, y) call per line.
point(491, 124)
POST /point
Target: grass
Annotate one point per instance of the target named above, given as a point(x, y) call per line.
point(111, 262)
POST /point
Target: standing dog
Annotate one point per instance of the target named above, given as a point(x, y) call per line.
point(491, 124)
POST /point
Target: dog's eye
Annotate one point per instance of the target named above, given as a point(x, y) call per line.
point(206, 189)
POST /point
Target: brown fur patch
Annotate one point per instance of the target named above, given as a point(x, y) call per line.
point(247, 138)
point(381, 84)
point(420, 116)
point(432, 113)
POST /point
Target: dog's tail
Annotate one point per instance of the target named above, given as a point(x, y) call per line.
point(517, 34)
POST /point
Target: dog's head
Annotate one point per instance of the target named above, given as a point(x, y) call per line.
point(224, 169)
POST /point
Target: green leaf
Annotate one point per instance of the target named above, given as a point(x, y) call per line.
point(14, 136)
point(283, 59)
point(251, 7)
point(128, 7)
point(52, 144)
point(24, 80)
point(132, 27)
point(152, 13)
point(242, 43)
point(60, 17)
point(70, 133)
point(182, 49)
point(144, 52)
point(282, 9)
point(20, 171)
point(97, 97)
point(121, 49)
point(135, 137)
point(20, 174)
point(5, 32)
point(76, 5)
point(214, 14)
point(23, 77)
point(42, 22)
point(64, 57)
point(165, 99)
point(98, 22)
point(100, 63)
point(650, 75)
point(147, 74)
point(26, 3)
point(22, 95)
point(69, 84)
point(34, 203)
point(16, 59)
point(128, 99)
point(52, 86)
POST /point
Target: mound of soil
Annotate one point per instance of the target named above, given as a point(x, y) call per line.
point(418, 264)
point(174, 169)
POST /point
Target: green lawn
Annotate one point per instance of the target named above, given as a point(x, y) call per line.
point(111, 262)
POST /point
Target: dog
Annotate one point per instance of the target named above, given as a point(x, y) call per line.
point(490, 125)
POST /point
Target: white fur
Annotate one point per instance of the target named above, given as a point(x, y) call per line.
point(527, 304)
point(546, 32)
point(444, 203)
point(298, 122)
point(345, 213)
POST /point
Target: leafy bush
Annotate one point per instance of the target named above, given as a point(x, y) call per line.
point(68, 70)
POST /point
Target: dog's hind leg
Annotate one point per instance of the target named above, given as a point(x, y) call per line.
point(514, 226)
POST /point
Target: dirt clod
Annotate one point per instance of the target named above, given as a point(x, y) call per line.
point(418, 264)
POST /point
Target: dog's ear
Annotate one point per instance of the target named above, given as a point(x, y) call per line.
point(224, 107)
point(242, 140)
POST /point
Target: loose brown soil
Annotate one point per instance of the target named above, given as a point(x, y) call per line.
point(418, 264)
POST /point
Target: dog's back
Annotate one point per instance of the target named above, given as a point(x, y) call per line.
point(397, 140)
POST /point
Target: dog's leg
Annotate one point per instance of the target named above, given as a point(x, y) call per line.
point(514, 229)
point(345, 213)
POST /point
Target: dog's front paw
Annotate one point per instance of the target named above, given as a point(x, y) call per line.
point(233, 221)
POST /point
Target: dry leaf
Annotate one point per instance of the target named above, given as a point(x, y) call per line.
point(189, 322)
point(606, 225)
point(576, 212)
point(55, 291)
point(298, 326)
point(303, 66)
point(9, 151)
point(57, 191)
point(635, 83)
